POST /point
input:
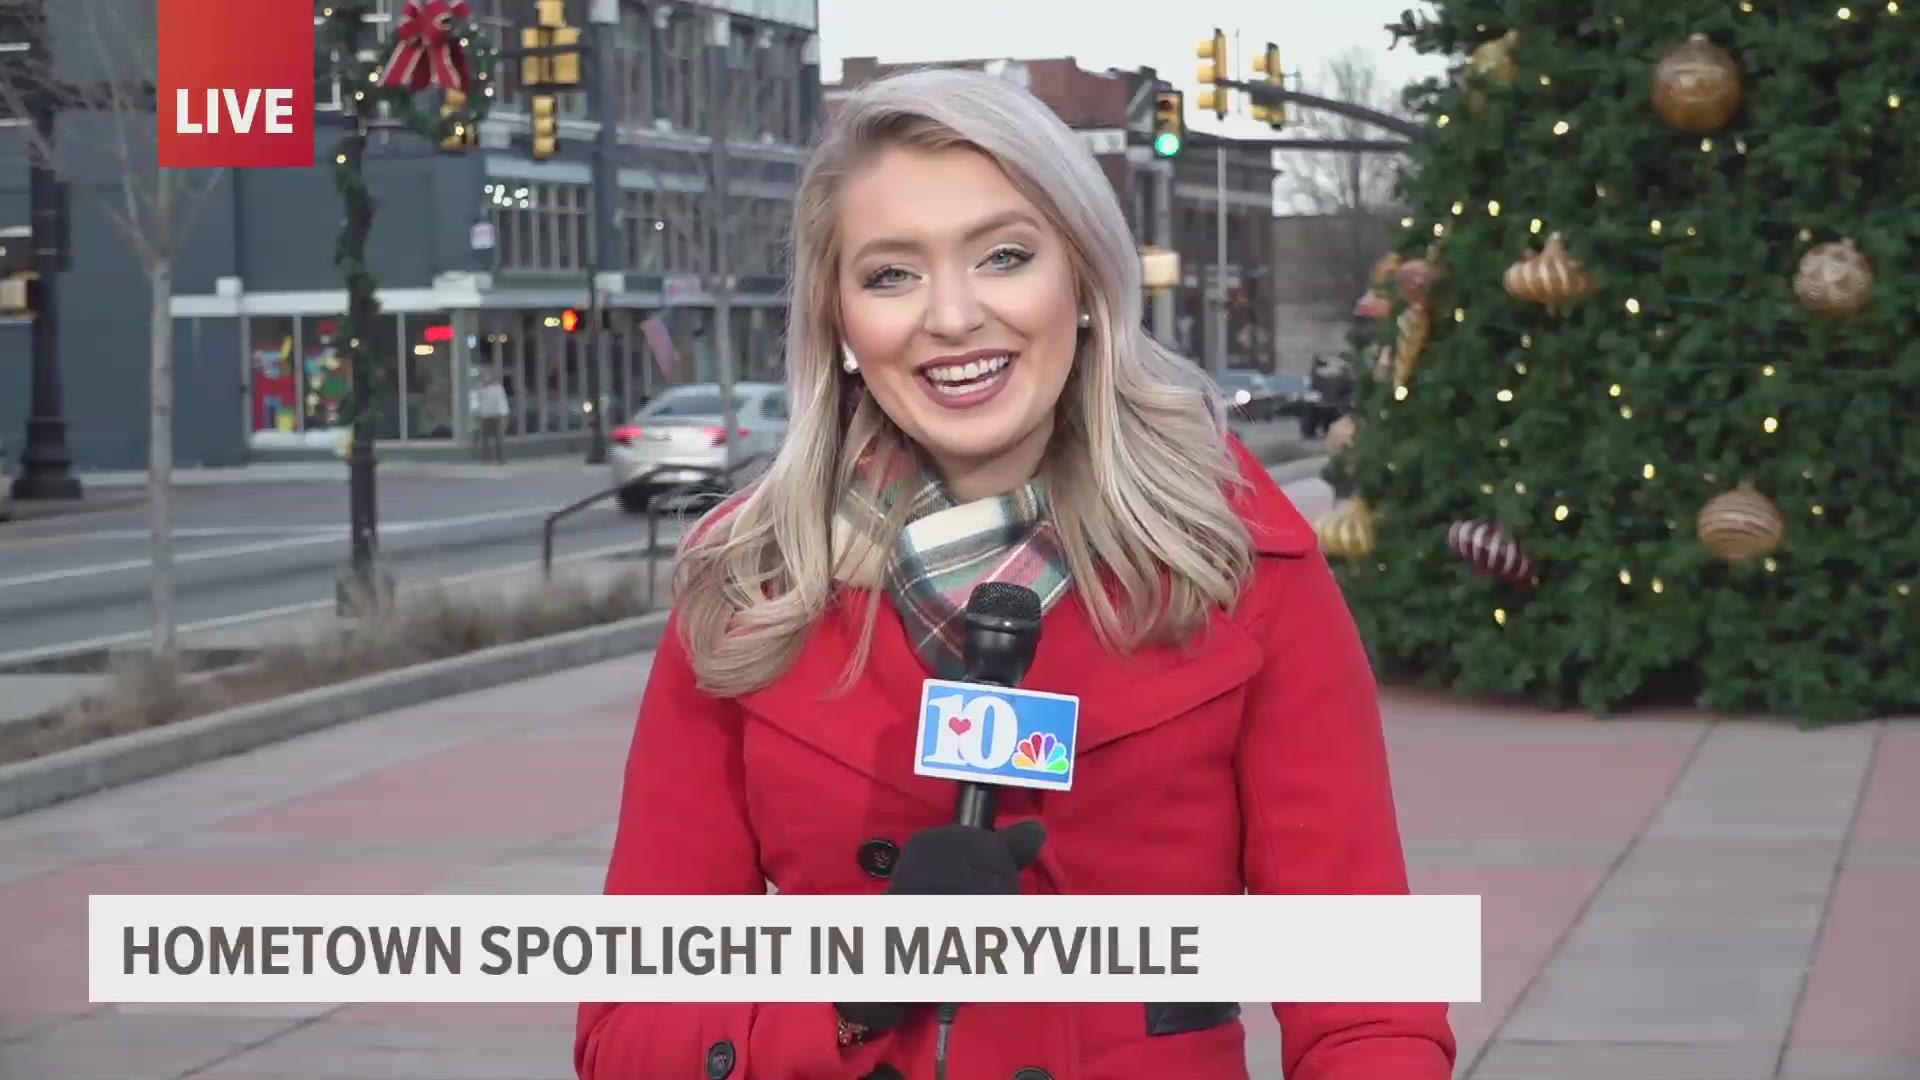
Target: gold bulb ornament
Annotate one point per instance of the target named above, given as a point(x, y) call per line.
point(1341, 433)
point(1835, 280)
point(1346, 531)
point(1697, 86)
point(1492, 61)
point(1741, 524)
point(1550, 277)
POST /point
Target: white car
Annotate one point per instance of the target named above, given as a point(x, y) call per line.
point(679, 439)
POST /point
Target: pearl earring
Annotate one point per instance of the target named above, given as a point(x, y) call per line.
point(847, 362)
point(1086, 320)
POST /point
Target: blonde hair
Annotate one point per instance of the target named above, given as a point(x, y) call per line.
point(1138, 469)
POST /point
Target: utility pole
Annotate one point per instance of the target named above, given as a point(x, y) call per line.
point(720, 73)
point(46, 470)
point(608, 251)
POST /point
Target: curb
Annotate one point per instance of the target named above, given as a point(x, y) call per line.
point(124, 759)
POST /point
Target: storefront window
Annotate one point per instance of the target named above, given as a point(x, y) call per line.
point(329, 383)
point(429, 375)
point(274, 372)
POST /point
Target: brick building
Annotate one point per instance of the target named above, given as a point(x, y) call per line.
point(1111, 111)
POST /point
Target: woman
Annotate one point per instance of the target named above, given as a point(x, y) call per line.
point(974, 399)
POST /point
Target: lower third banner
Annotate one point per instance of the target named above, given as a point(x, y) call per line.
point(782, 948)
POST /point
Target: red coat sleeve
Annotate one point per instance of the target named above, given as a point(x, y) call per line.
point(1317, 803)
point(684, 830)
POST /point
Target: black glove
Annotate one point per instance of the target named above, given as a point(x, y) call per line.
point(953, 860)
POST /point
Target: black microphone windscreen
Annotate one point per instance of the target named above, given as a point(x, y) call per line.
point(1004, 601)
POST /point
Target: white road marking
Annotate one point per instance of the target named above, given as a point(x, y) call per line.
point(242, 550)
point(69, 648)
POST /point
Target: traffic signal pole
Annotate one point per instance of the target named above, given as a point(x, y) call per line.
point(604, 17)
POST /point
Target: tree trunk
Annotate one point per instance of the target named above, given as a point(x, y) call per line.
point(160, 453)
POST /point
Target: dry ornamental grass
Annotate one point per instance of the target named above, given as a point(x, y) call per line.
point(424, 624)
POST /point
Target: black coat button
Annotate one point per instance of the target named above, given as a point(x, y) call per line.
point(878, 856)
point(884, 1072)
point(720, 1060)
point(1033, 1074)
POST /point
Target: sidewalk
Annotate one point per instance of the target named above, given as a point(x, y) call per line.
point(1668, 896)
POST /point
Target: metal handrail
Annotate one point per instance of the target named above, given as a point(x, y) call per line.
point(708, 476)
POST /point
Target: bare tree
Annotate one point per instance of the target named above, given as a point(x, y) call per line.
point(1349, 192)
point(730, 232)
point(113, 48)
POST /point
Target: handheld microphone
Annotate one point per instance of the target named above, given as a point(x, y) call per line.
point(1002, 634)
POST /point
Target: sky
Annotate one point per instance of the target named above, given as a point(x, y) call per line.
point(1125, 34)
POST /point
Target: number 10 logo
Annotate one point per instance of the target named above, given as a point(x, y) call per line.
point(969, 731)
point(981, 733)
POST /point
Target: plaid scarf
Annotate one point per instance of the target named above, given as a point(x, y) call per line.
point(930, 568)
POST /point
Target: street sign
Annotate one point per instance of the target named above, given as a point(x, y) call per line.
point(481, 236)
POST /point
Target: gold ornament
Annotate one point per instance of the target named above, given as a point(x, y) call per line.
point(1416, 327)
point(1383, 272)
point(1340, 434)
point(1383, 364)
point(1347, 531)
point(1697, 87)
point(1550, 277)
point(1740, 524)
point(1492, 61)
point(1834, 280)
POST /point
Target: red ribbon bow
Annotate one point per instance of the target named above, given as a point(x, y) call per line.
point(426, 52)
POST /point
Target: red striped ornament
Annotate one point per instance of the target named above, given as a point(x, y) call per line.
point(1491, 551)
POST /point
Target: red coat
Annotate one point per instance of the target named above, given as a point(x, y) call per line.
point(1254, 763)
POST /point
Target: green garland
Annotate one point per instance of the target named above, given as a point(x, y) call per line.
point(343, 26)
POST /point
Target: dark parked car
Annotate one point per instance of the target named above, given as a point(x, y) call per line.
point(1249, 396)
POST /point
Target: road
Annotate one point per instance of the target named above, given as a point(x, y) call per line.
point(249, 547)
point(272, 541)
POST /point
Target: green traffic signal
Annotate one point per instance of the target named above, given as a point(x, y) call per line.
point(1166, 144)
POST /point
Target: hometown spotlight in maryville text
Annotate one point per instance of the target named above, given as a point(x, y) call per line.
point(974, 399)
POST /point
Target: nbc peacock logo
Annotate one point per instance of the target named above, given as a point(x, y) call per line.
point(1040, 752)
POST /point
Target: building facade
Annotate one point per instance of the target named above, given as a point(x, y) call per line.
point(1321, 266)
point(479, 256)
point(1174, 204)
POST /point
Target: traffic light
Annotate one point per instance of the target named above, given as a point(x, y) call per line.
point(1213, 73)
point(546, 127)
point(1268, 64)
point(552, 50)
point(462, 134)
point(570, 320)
point(1169, 123)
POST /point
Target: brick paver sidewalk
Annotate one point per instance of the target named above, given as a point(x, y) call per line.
point(1667, 896)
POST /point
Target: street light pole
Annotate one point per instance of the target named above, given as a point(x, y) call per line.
point(602, 98)
point(719, 220)
point(1220, 257)
point(46, 470)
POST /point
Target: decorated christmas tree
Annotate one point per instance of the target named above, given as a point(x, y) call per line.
point(1640, 407)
